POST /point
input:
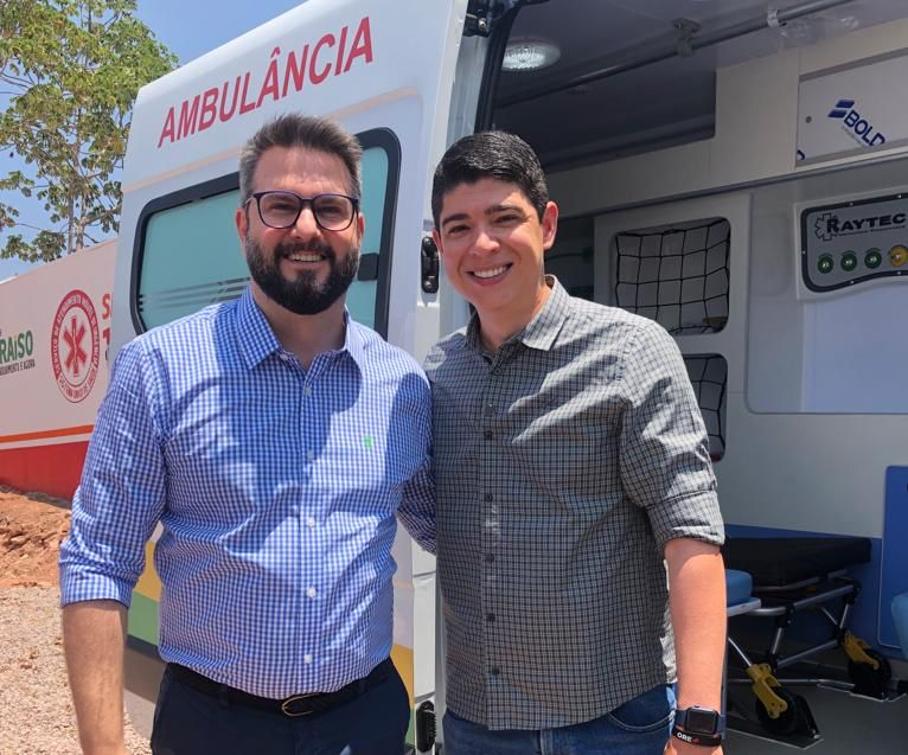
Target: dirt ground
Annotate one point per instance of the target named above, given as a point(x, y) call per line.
point(36, 712)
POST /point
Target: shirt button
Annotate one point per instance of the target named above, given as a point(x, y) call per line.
point(307, 658)
point(311, 592)
point(490, 617)
point(310, 455)
point(490, 558)
point(310, 522)
point(307, 391)
point(488, 435)
point(285, 356)
point(489, 497)
point(494, 671)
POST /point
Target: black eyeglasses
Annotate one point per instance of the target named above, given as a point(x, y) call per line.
point(281, 209)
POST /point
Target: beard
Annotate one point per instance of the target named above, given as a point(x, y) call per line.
point(303, 295)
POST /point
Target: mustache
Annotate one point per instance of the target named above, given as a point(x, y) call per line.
point(285, 249)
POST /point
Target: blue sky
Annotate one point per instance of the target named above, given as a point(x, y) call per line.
point(191, 28)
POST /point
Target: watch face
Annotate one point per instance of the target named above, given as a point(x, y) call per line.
point(701, 721)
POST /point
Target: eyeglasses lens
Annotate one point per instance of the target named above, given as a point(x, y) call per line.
point(333, 212)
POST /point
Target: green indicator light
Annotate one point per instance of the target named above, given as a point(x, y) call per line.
point(825, 264)
point(849, 261)
point(873, 258)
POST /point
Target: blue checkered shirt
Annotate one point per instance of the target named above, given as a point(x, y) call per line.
point(277, 488)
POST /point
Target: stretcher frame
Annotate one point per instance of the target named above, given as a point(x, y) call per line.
point(830, 587)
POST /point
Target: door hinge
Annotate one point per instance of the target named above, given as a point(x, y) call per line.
point(482, 15)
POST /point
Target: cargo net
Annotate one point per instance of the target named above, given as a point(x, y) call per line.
point(677, 276)
point(709, 377)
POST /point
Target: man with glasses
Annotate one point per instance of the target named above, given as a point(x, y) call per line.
point(274, 439)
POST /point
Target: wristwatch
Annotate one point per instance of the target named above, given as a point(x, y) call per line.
point(699, 726)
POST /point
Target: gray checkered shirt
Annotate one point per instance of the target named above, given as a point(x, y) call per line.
point(564, 463)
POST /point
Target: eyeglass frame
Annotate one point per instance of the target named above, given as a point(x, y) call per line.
point(310, 201)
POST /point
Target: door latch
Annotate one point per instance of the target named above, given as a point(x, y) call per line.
point(429, 265)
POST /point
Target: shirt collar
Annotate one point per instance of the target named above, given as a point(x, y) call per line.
point(541, 332)
point(257, 340)
point(254, 335)
point(354, 344)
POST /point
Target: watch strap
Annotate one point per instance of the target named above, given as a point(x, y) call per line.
point(702, 740)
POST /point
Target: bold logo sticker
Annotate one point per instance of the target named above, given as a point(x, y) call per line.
point(75, 346)
point(858, 127)
point(841, 108)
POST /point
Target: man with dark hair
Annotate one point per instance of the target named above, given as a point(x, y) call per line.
point(274, 439)
point(572, 468)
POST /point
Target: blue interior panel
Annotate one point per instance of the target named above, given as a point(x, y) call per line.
point(895, 551)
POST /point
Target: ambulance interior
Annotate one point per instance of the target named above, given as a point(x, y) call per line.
point(738, 172)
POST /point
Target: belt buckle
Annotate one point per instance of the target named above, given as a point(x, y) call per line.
point(286, 706)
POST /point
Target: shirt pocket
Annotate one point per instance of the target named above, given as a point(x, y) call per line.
point(564, 439)
point(364, 472)
point(227, 464)
point(564, 424)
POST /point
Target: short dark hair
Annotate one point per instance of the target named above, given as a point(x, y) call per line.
point(295, 130)
point(490, 154)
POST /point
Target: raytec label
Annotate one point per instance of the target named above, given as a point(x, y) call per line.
point(830, 225)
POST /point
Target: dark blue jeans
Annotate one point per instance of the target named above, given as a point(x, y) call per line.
point(639, 727)
point(190, 722)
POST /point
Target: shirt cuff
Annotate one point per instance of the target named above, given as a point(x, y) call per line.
point(695, 516)
point(77, 586)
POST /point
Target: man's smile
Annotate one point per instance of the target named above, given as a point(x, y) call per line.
point(490, 274)
point(305, 257)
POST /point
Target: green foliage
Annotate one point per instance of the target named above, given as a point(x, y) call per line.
point(69, 72)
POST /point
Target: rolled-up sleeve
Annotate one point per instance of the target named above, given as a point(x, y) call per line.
point(121, 494)
point(417, 510)
point(664, 449)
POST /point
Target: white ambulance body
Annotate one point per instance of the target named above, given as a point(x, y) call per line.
point(54, 345)
point(767, 148)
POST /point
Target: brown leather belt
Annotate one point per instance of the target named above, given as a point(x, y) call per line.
point(293, 706)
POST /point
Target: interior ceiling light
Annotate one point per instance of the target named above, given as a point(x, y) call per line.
point(526, 54)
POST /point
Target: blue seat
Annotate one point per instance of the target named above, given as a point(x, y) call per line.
point(900, 616)
point(738, 586)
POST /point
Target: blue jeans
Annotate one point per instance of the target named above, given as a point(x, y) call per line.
point(639, 727)
point(189, 722)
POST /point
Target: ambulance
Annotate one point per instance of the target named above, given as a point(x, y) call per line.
point(737, 171)
point(55, 325)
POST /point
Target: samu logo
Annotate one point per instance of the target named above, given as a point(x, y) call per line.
point(857, 127)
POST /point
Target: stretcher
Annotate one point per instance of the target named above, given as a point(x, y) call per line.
point(793, 577)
